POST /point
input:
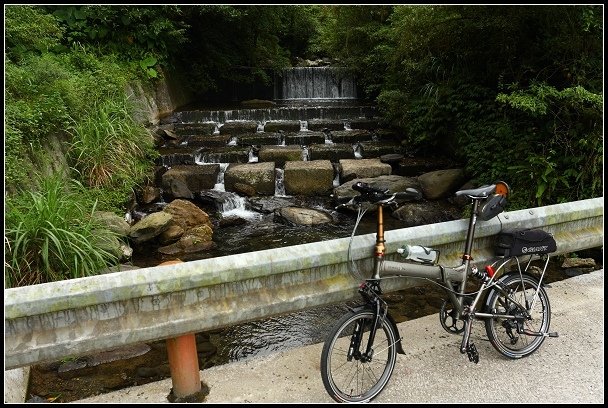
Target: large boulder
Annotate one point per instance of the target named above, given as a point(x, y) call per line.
point(183, 181)
point(234, 127)
point(186, 214)
point(303, 216)
point(150, 226)
point(333, 152)
point(363, 168)
point(284, 125)
point(258, 104)
point(260, 176)
point(441, 183)
point(308, 177)
point(280, 154)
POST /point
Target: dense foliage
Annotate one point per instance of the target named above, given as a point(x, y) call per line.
point(489, 84)
point(514, 92)
point(242, 45)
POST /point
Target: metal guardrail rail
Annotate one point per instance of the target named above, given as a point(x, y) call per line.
point(51, 321)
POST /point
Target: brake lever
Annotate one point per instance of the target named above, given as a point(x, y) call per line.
point(349, 203)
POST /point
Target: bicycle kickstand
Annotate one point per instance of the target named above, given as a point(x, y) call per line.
point(466, 346)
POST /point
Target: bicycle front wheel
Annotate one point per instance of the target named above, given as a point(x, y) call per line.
point(503, 332)
point(349, 373)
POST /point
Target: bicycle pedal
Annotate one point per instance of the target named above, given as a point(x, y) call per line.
point(472, 353)
point(553, 334)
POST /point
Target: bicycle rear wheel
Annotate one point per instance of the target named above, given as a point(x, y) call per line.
point(502, 332)
point(348, 375)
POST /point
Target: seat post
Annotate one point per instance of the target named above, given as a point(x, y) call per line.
point(468, 246)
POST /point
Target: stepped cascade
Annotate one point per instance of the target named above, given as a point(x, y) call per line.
point(271, 176)
point(289, 149)
point(214, 154)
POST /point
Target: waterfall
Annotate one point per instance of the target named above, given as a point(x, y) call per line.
point(340, 111)
point(317, 83)
point(234, 205)
point(327, 134)
point(233, 141)
point(303, 126)
point(305, 155)
point(219, 184)
point(253, 158)
point(357, 149)
point(279, 189)
point(347, 125)
point(229, 203)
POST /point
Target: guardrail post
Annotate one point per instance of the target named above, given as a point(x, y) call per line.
point(183, 363)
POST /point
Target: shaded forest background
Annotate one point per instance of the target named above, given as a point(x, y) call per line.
point(518, 89)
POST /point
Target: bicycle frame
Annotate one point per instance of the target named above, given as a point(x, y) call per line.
point(452, 278)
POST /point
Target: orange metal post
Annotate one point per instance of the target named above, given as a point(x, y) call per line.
point(183, 363)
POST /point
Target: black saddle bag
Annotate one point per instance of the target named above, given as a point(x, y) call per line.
point(523, 241)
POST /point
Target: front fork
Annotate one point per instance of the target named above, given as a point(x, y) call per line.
point(370, 291)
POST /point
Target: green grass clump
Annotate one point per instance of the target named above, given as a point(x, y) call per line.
point(50, 235)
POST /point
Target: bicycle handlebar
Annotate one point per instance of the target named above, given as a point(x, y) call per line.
point(374, 195)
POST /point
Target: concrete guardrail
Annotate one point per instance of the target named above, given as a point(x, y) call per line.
point(51, 321)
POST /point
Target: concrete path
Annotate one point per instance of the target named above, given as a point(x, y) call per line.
point(567, 369)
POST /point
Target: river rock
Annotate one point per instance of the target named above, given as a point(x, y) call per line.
point(422, 213)
point(149, 194)
point(150, 226)
point(441, 183)
point(186, 214)
point(578, 263)
point(198, 239)
point(113, 222)
point(303, 216)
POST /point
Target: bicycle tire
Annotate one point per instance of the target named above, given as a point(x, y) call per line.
point(356, 380)
point(501, 332)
